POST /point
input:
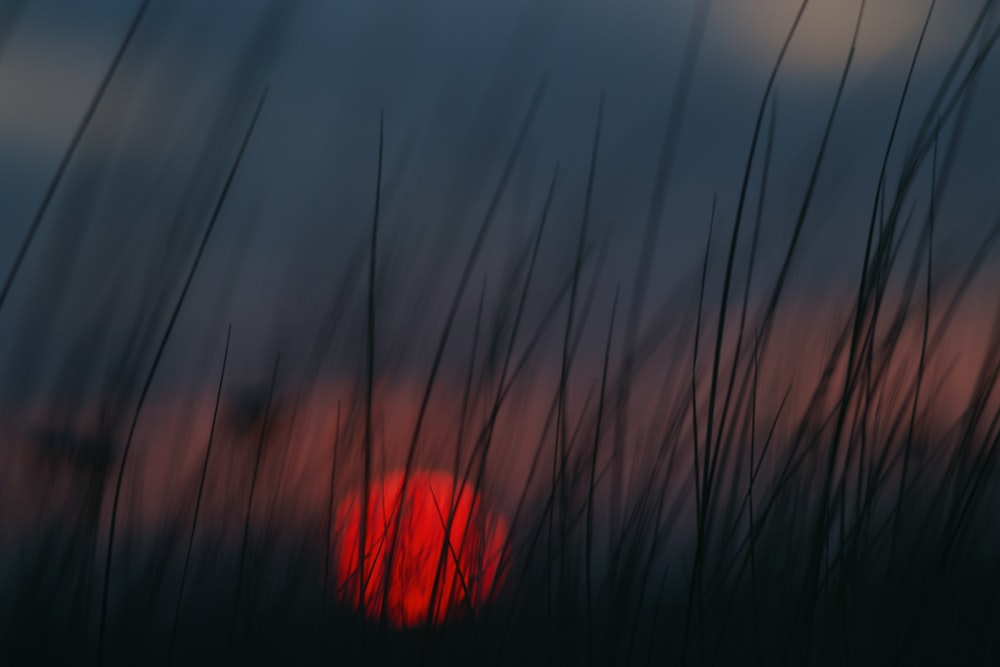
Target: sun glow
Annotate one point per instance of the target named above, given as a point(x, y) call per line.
point(410, 566)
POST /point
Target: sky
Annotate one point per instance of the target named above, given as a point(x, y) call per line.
point(453, 80)
point(447, 84)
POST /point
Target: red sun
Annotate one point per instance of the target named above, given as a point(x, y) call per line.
point(469, 559)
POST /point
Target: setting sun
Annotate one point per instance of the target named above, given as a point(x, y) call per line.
point(469, 558)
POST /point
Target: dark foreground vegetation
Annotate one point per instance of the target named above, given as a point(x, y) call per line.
point(681, 500)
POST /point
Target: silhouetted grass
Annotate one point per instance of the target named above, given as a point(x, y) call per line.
point(672, 508)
